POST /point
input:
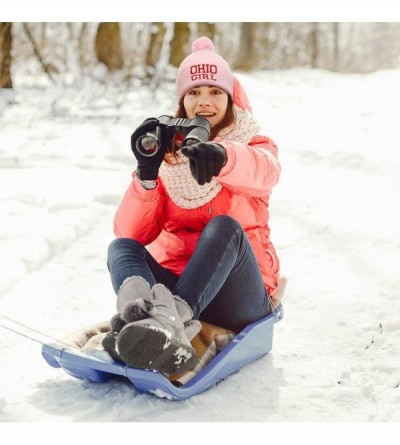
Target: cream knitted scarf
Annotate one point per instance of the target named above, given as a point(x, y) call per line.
point(175, 174)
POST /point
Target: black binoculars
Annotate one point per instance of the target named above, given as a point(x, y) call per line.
point(194, 130)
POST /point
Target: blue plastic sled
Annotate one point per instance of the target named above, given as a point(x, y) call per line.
point(96, 366)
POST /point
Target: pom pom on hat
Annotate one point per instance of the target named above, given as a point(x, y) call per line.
point(203, 67)
point(202, 43)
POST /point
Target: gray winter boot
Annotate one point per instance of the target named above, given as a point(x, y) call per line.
point(134, 290)
point(134, 302)
point(159, 342)
point(131, 306)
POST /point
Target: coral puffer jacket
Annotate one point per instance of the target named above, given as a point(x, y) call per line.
point(171, 232)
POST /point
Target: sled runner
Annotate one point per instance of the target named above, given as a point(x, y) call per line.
point(95, 365)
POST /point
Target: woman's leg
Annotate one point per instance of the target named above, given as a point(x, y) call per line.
point(127, 258)
point(222, 282)
point(141, 335)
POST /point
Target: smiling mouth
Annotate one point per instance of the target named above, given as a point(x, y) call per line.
point(205, 114)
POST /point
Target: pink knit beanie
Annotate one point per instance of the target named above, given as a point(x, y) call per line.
point(203, 67)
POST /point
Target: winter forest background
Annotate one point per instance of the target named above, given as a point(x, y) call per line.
point(144, 52)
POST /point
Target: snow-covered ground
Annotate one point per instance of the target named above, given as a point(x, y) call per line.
point(65, 162)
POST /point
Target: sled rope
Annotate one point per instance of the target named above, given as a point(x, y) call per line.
point(16, 331)
point(21, 334)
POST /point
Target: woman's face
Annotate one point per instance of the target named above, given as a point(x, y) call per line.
point(206, 101)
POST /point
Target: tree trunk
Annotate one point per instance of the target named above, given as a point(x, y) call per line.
point(336, 46)
point(48, 68)
point(179, 43)
point(108, 45)
point(83, 62)
point(266, 46)
point(206, 29)
point(5, 55)
point(157, 34)
point(314, 47)
point(247, 57)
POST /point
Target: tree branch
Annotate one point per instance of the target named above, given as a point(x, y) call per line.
point(38, 54)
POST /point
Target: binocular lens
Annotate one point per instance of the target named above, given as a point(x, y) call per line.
point(190, 141)
point(148, 145)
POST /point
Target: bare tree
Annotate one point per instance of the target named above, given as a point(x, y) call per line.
point(207, 29)
point(179, 43)
point(314, 45)
point(5, 55)
point(47, 67)
point(81, 46)
point(247, 56)
point(157, 34)
point(336, 51)
point(266, 44)
point(108, 45)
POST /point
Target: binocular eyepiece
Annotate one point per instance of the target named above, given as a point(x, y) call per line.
point(194, 130)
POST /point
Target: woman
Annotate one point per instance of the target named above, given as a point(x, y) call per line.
point(192, 229)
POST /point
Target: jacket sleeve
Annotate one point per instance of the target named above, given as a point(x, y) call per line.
point(140, 215)
point(252, 169)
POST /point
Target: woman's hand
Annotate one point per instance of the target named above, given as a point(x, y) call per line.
point(206, 160)
point(148, 166)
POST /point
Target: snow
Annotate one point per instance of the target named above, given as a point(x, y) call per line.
point(65, 163)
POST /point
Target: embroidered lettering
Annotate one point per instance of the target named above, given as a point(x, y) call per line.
point(203, 71)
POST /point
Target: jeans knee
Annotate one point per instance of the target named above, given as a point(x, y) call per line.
point(224, 223)
point(118, 245)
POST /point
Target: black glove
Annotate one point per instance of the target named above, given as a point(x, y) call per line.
point(147, 167)
point(206, 160)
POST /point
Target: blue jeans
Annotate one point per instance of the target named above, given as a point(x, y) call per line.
point(222, 282)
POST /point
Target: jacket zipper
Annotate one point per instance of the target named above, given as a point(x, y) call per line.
point(210, 209)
